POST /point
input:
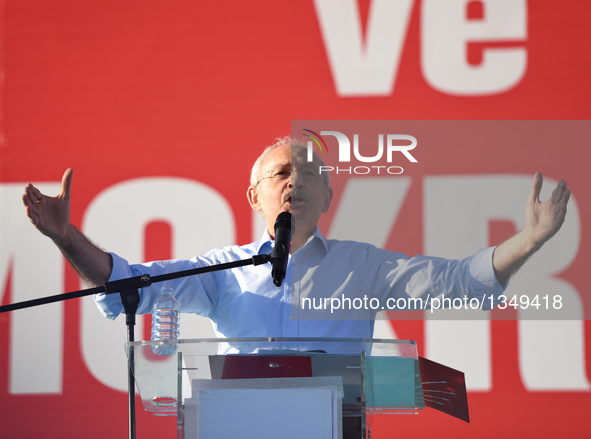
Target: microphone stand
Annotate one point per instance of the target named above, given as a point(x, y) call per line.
point(128, 288)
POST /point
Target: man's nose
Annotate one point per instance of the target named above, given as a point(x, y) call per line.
point(294, 179)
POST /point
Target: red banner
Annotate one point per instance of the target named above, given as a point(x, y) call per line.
point(161, 108)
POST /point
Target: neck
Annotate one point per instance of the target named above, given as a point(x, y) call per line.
point(300, 238)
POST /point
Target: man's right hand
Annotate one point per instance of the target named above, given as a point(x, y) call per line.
point(51, 215)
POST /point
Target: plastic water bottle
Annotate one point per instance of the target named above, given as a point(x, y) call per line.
point(165, 322)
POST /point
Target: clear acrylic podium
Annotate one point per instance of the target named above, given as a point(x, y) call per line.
point(368, 376)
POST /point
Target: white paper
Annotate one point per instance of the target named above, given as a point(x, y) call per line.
point(266, 413)
point(265, 408)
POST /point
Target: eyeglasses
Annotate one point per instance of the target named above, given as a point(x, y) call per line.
point(308, 174)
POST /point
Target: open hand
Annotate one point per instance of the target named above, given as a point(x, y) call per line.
point(544, 219)
point(51, 215)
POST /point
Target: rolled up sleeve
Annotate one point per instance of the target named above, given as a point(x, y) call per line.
point(110, 304)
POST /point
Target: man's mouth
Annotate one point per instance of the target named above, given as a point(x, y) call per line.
point(295, 198)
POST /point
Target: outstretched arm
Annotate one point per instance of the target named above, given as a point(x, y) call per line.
point(542, 221)
point(51, 216)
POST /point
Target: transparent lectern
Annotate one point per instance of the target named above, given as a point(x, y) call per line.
point(304, 387)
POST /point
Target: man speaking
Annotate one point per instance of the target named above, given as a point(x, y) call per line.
point(319, 273)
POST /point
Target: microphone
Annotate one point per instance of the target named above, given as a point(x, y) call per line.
point(284, 225)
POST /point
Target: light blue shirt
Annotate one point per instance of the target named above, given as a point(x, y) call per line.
point(244, 302)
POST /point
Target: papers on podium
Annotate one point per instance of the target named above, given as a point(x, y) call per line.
point(265, 408)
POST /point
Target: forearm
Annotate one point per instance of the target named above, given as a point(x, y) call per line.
point(93, 264)
point(511, 254)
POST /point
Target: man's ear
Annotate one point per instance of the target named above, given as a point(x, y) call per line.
point(327, 199)
point(253, 198)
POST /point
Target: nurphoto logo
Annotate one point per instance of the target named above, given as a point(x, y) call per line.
point(389, 148)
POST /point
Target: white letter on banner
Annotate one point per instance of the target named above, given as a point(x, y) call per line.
point(457, 213)
point(201, 219)
point(36, 334)
point(363, 68)
point(446, 33)
point(552, 352)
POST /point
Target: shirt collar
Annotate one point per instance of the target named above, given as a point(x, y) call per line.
point(267, 243)
point(318, 236)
